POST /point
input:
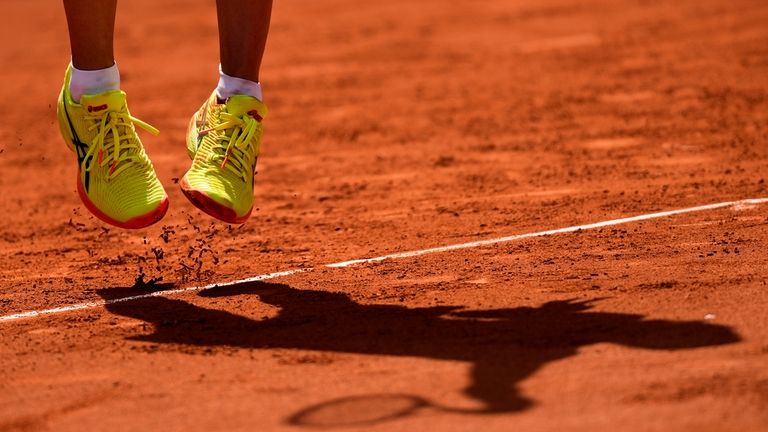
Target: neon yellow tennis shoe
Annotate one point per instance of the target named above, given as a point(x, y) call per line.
point(116, 180)
point(223, 142)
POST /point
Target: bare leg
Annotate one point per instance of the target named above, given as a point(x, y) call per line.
point(91, 30)
point(243, 28)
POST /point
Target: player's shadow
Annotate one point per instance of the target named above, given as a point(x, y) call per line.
point(503, 346)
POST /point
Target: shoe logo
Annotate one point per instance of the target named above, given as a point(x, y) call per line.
point(97, 108)
point(87, 178)
point(81, 149)
point(255, 114)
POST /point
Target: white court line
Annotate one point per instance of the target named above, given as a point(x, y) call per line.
point(415, 253)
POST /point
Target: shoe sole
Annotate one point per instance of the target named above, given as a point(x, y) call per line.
point(209, 206)
point(137, 222)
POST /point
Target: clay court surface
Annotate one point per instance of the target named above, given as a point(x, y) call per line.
point(399, 126)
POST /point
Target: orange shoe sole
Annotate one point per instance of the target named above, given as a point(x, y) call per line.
point(209, 206)
point(137, 222)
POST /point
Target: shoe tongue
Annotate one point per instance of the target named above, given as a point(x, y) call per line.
point(240, 105)
point(113, 100)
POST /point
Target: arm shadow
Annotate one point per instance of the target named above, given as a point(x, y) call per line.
point(502, 346)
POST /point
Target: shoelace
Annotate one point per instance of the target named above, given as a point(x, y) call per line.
point(239, 152)
point(116, 136)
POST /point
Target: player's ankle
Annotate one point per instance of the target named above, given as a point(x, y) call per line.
point(229, 86)
point(98, 81)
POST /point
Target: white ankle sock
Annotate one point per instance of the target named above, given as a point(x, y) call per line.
point(93, 81)
point(230, 86)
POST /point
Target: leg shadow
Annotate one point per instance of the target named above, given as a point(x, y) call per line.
point(504, 346)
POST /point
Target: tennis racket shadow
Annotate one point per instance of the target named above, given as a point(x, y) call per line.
point(503, 346)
